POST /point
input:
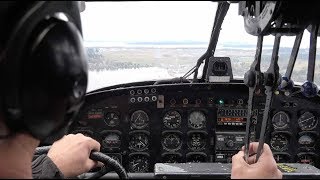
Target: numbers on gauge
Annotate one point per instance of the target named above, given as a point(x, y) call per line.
point(307, 121)
point(172, 119)
point(139, 141)
point(138, 163)
point(171, 141)
point(112, 119)
point(280, 120)
point(197, 120)
point(111, 140)
point(196, 141)
point(279, 142)
point(139, 119)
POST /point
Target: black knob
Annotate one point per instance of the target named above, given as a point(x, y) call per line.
point(229, 143)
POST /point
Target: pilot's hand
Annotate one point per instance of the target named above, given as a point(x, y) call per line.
point(266, 166)
point(71, 154)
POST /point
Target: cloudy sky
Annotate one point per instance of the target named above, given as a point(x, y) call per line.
point(165, 21)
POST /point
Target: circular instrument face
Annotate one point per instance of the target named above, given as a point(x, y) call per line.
point(172, 119)
point(171, 142)
point(196, 158)
point(279, 142)
point(306, 159)
point(138, 163)
point(280, 120)
point(172, 158)
point(197, 120)
point(197, 141)
point(112, 119)
point(307, 121)
point(139, 119)
point(111, 140)
point(306, 140)
point(139, 141)
point(281, 158)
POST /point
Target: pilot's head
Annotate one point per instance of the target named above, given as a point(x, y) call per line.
point(43, 70)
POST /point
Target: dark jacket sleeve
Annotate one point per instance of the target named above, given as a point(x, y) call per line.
point(44, 168)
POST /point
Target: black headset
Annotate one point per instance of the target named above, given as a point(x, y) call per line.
point(43, 67)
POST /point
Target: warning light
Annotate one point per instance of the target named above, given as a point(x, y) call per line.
point(221, 102)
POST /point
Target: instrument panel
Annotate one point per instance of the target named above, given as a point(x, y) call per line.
point(177, 123)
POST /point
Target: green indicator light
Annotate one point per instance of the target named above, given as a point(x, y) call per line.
point(221, 101)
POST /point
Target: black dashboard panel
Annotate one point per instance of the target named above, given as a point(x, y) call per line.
point(146, 124)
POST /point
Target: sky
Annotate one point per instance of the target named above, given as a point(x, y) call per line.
point(154, 21)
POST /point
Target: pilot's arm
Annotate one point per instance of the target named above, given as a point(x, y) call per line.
point(67, 157)
point(266, 166)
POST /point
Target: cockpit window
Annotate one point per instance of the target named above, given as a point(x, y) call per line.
point(141, 41)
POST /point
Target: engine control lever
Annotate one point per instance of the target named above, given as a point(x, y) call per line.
point(271, 83)
point(286, 82)
point(309, 88)
point(253, 79)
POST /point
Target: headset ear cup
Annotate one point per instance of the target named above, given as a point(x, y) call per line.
point(54, 77)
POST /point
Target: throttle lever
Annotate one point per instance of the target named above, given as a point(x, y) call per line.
point(271, 83)
point(309, 88)
point(286, 82)
point(253, 79)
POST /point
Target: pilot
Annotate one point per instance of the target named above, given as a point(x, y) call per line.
point(264, 168)
point(43, 75)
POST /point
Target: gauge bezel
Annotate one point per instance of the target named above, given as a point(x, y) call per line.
point(286, 125)
point(146, 121)
point(132, 133)
point(165, 133)
point(145, 155)
point(117, 122)
point(166, 124)
point(284, 134)
point(204, 121)
point(311, 128)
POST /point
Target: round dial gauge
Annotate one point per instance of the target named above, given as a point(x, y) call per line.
point(172, 158)
point(112, 119)
point(171, 142)
point(306, 158)
point(197, 141)
point(139, 141)
point(281, 158)
point(111, 140)
point(196, 158)
point(306, 140)
point(197, 120)
point(307, 121)
point(279, 142)
point(172, 119)
point(139, 119)
point(280, 120)
point(138, 163)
